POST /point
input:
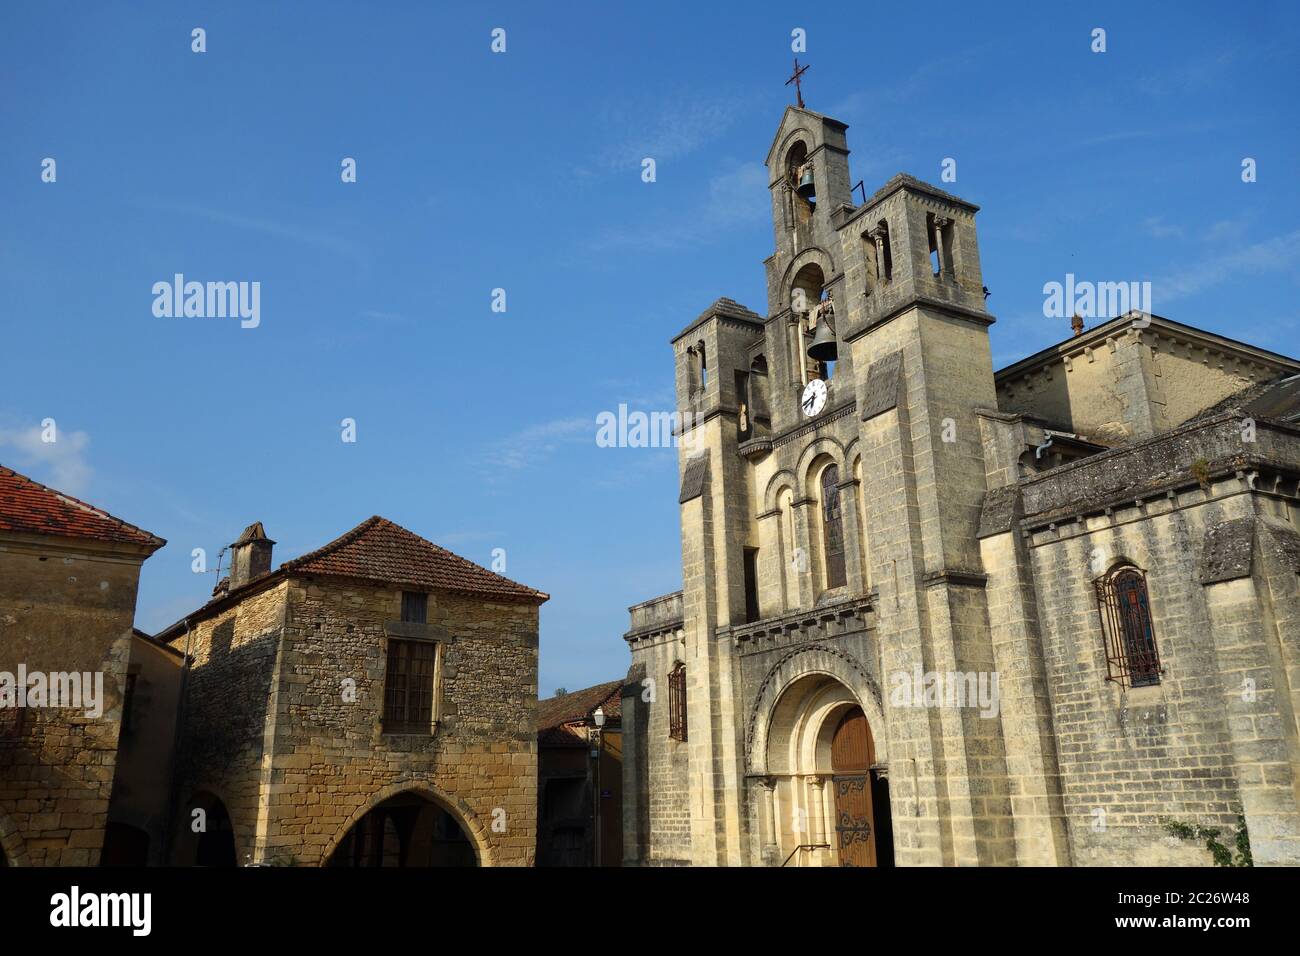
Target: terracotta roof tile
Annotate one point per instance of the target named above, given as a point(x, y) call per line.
point(379, 550)
point(32, 508)
point(554, 712)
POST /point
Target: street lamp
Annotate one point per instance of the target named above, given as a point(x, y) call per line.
point(598, 717)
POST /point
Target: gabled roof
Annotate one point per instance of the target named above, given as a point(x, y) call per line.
point(383, 552)
point(1096, 336)
point(380, 550)
point(783, 129)
point(28, 507)
point(556, 714)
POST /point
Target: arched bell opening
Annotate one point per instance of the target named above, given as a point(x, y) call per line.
point(803, 185)
point(818, 346)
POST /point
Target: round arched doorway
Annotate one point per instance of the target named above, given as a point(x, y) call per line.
point(827, 796)
point(406, 830)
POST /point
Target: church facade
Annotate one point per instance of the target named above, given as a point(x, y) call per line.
point(938, 614)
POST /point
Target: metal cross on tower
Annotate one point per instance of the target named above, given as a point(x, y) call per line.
point(798, 72)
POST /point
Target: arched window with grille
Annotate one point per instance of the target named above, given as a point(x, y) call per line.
point(1124, 605)
point(677, 702)
point(832, 527)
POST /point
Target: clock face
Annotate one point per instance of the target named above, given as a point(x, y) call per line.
point(814, 397)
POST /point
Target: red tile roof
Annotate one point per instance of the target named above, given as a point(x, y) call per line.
point(555, 714)
point(32, 508)
point(379, 550)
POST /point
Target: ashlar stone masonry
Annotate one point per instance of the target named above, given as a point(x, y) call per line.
point(1110, 528)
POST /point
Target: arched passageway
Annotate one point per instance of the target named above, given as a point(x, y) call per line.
point(827, 795)
point(207, 836)
point(406, 830)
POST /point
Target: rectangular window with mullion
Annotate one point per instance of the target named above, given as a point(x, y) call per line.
point(409, 687)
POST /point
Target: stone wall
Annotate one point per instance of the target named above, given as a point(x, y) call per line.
point(656, 768)
point(1131, 758)
point(323, 760)
point(226, 713)
point(64, 607)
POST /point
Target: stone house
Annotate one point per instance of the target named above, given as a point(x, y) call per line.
point(371, 703)
point(580, 777)
point(935, 613)
point(68, 578)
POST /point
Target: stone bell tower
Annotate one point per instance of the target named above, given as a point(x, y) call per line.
point(834, 541)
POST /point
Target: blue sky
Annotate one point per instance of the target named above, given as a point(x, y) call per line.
point(522, 171)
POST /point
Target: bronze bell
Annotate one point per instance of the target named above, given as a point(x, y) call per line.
point(823, 348)
point(806, 188)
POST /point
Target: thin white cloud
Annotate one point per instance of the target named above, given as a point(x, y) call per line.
point(60, 463)
point(270, 227)
point(1191, 75)
point(736, 197)
point(1279, 254)
point(1156, 227)
point(666, 128)
point(535, 443)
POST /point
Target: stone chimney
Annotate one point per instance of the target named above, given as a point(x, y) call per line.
point(250, 555)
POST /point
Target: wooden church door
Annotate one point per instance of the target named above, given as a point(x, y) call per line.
point(852, 755)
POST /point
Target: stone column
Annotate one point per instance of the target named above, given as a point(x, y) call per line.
point(817, 809)
point(878, 241)
point(771, 565)
point(794, 342)
point(802, 563)
point(940, 223)
point(853, 572)
point(770, 850)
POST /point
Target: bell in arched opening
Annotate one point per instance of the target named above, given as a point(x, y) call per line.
point(807, 189)
point(823, 347)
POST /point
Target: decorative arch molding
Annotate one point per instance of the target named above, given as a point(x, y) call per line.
point(1114, 563)
point(462, 812)
point(11, 841)
point(824, 445)
point(785, 478)
point(813, 255)
point(795, 135)
point(852, 453)
point(808, 661)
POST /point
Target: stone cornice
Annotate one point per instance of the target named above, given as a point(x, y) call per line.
point(904, 181)
point(848, 614)
point(116, 552)
point(1182, 336)
point(955, 577)
point(808, 428)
